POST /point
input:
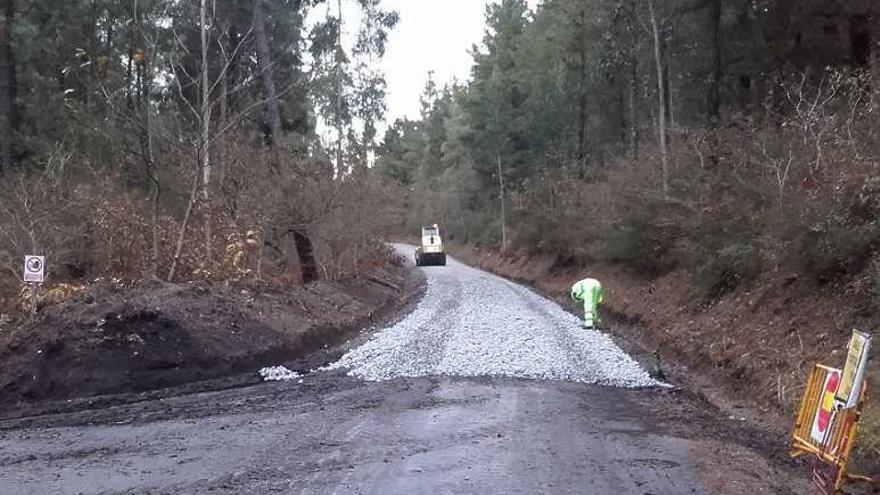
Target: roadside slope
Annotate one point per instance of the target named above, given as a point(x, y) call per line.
point(749, 352)
point(119, 340)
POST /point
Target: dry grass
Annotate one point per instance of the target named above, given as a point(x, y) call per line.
point(94, 224)
point(869, 433)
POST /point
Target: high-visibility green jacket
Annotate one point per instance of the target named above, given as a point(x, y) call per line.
point(589, 292)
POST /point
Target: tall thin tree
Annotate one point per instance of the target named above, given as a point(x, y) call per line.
point(205, 129)
point(661, 96)
point(8, 85)
point(339, 58)
point(264, 63)
point(302, 241)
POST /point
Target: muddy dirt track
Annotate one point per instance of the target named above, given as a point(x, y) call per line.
point(335, 433)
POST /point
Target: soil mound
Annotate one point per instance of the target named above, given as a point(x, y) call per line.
point(152, 335)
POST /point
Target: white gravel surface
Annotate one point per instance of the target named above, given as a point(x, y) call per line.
point(471, 323)
point(278, 374)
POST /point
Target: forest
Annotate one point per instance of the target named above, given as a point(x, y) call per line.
point(736, 142)
point(726, 137)
point(170, 138)
point(180, 140)
point(716, 162)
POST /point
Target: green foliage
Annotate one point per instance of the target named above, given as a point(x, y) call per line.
point(568, 91)
point(724, 253)
point(719, 272)
point(544, 232)
point(831, 245)
point(639, 242)
point(401, 148)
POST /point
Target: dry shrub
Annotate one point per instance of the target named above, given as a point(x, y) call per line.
point(794, 186)
point(30, 299)
point(86, 226)
point(92, 223)
point(281, 195)
point(40, 213)
point(601, 216)
point(350, 234)
point(869, 428)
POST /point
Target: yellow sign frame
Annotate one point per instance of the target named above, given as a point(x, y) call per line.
point(836, 448)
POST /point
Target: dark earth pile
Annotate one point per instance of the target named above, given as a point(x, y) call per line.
point(113, 340)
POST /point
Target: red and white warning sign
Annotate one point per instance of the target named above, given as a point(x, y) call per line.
point(825, 415)
point(34, 269)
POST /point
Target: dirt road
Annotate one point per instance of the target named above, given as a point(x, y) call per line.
point(411, 431)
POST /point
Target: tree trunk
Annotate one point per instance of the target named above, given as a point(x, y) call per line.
point(503, 208)
point(304, 247)
point(8, 87)
point(622, 108)
point(144, 98)
point(340, 158)
point(661, 95)
point(150, 159)
point(582, 97)
point(667, 84)
point(715, 83)
point(264, 65)
point(582, 130)
point(181, 236)
point(633, 112)
point(205, 135)
point(224, 96)
point(233, 71)
point(306, 253)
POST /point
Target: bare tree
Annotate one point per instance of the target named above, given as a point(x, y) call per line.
point(304, 248)
point(206, 139)
point(148, 155)
point(205, 130)
point(661, 96)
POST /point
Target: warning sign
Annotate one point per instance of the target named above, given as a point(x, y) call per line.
point(825, 413)
point(854, 371)
point(34, 269)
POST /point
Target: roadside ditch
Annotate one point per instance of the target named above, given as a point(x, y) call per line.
point(153, 339)
point(748, 354)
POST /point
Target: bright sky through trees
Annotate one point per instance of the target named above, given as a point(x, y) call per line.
point(433, 35)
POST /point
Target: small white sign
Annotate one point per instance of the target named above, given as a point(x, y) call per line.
point(34, 269)
point(850, 391)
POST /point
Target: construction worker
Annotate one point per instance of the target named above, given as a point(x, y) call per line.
point(589, 292)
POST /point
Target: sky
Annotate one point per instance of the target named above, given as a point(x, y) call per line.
point(432, 35)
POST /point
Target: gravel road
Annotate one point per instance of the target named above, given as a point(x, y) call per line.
point(485, 388)
point(471, 323)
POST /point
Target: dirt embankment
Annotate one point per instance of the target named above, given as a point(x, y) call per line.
point(153, 335)
point(749, 352)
